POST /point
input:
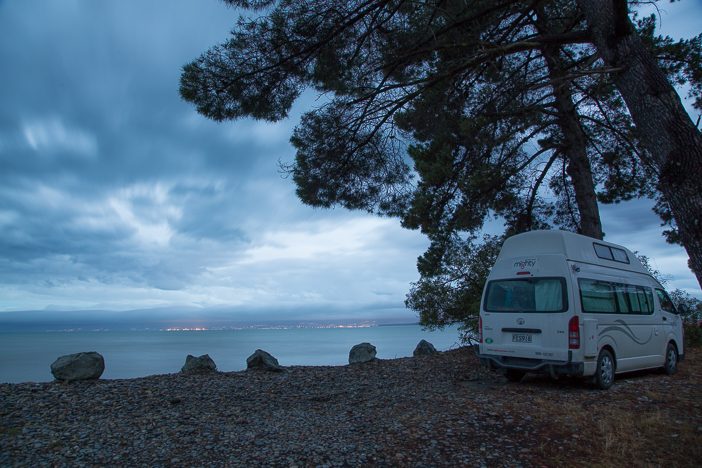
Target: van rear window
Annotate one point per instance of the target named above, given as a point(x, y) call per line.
point(526, 295)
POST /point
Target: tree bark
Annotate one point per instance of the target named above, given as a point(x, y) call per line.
point(673, 144)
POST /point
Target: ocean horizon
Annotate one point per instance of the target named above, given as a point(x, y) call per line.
point(26, 356)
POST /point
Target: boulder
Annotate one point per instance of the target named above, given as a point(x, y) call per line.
point(200, 364)
point(424, 348)
point(78, 366)
point(363, 352)
point(263, 361)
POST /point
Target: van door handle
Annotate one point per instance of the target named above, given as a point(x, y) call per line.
point(665, 318)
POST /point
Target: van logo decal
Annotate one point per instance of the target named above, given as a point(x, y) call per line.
point(526, 263)
point(520, 321)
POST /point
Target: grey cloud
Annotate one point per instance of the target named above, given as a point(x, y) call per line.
point(46, 241)
point(631, 216)
point(110, 183)
point(90, 106)
point(209, 213)
point(109, 72)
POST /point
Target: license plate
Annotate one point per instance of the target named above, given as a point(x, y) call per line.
point(521, 338)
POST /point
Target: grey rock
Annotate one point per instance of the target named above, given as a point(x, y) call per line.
point(78, 366)
point(198, 364)
point(363, 352)
point(424, 348)
point(263, 361)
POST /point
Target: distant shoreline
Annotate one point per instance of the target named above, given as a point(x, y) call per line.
point(40, 321)
point(35, 328)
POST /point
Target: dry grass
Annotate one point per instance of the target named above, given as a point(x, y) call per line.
point(645, 420)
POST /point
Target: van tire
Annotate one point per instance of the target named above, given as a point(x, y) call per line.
point(514, 375)
point(671, 360)
point(604, 375)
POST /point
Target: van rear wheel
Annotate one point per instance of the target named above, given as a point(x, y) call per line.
point(514, 375)
point(671, 360)
point(604, 376)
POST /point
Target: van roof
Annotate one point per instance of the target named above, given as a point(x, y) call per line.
point(575, 247)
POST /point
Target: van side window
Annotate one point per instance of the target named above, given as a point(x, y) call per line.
point(610, 253)
point(622, 293)
point(640, 299)
point(619, 255)
point(666, 303)
point(605, 297)
point(603, 251)
point(597, 296)
point(649, 298)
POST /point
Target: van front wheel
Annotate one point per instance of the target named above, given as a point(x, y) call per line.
point(604, 376)
point(671, 360)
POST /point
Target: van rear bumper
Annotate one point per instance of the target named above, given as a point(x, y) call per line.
point(543, 366)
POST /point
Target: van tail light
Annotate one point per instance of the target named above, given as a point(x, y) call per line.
point(574, 333)
point(480, 329)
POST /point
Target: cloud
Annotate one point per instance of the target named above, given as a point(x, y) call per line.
point(350, 238)
point(193, 242)
point(146, 211)
point(52, 136)
point(115, 194)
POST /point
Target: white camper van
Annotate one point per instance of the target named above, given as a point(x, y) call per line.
point(566, 304)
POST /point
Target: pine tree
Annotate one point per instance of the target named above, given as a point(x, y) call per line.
point(443, 114)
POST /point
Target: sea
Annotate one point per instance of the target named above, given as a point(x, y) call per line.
point(27, 356)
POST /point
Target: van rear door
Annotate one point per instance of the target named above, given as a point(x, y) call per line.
point(526, 317)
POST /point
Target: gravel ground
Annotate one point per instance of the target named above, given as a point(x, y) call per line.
point(427, 411)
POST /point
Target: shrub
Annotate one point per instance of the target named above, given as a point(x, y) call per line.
point(693, 334)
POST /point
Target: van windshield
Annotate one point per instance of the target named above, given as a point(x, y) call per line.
point(526, 295)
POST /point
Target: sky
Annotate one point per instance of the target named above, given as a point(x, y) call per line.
point(116, 195)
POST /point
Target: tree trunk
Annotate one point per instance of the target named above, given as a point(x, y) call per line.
point(673, 144)
point(574, 139)
point(579, 169)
